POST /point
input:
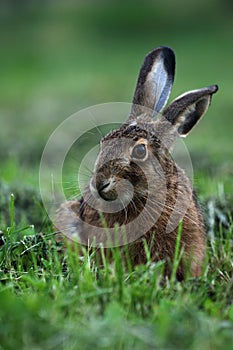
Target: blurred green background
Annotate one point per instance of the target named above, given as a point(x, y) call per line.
point(58, 57)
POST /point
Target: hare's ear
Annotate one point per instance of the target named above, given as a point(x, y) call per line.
point(155, 81)
point(185, 111)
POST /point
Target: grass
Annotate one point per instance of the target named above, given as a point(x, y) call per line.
point(55, 61)
point(53, 300)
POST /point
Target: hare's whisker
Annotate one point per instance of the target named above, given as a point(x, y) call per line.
point(125, 211)
point(95, 124)
point(175, 210)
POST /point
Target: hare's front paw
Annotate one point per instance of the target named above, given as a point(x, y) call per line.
point(67, 221)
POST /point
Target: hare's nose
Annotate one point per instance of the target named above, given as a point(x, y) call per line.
point(106, 188)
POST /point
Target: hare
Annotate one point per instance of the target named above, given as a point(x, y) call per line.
point(137, 193)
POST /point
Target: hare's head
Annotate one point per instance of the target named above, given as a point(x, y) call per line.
point(135, 157)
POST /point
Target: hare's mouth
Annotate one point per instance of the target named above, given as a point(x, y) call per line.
point(107, 189)
point(112, 189)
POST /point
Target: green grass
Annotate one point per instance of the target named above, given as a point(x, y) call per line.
point(55, 60)
point(50, 299)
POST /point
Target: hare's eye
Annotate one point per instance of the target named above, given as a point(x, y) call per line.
point(139, 151)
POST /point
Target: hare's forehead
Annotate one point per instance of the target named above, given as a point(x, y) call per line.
point(127, 132)
point(121, 141)
point(130, 133)
point(118, 144)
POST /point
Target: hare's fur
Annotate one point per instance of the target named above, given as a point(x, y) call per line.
point(135, 172)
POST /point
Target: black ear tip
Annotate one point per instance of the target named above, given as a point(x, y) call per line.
point(213, 89)
point(167, 50)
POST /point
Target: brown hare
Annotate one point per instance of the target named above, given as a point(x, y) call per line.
point(137, 192)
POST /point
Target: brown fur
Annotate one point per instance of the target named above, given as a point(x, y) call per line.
point(158, 183)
